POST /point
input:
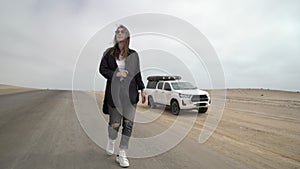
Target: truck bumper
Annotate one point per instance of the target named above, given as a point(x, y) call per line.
point(188, 104)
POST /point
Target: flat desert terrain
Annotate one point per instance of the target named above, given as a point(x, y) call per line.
point(6, 89)
point(259, 128)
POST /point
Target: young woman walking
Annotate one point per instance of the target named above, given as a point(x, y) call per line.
point(121, 67)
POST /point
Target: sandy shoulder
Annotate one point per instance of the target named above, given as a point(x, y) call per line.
point(259, 128)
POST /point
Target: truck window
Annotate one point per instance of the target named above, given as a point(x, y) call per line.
point(160, 85)
point(167, 87)
point(183, 86)
point(151, 84)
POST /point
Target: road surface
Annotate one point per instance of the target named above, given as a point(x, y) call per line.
point(40, 129)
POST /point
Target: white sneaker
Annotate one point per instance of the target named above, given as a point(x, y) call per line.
point(122, 159)
point(110, 146)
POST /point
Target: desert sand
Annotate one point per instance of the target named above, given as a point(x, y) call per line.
point(8, 89)
point(259, 128)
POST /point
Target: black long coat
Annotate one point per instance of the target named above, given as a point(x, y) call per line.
point(133, 82)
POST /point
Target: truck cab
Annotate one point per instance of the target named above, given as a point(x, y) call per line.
point(172, 92)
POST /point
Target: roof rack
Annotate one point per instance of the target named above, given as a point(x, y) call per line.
point(163, 78)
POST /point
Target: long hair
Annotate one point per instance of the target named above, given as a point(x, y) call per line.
point(116, 51)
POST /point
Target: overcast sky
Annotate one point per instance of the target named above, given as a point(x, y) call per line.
point(257, 42)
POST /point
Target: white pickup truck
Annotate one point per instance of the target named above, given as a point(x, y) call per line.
point(177, 94)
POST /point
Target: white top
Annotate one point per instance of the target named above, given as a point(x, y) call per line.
point(121, 64)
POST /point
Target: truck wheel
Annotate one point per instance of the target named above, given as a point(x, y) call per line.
point(175, 109)
point(202, 110)
point(151, 103)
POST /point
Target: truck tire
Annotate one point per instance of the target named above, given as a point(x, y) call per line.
point(175, 109)
point(202, 110)
point(151, 103)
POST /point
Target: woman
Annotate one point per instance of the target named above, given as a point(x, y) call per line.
point(121, 67)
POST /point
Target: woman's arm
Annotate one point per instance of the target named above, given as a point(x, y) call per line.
point(139, 81)
point(138, 76)
point(104, 68)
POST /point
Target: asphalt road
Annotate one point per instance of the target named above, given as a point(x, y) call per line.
point(40, 130)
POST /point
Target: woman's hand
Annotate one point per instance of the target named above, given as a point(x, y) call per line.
point(122, 73)
point(143, 96)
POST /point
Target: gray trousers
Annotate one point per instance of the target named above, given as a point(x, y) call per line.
point(123, 114)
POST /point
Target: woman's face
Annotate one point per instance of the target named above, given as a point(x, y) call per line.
point(120, 34)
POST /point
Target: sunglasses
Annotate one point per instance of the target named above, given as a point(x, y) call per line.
point(120, 31)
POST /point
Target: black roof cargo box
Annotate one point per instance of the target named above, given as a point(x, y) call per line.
point(163, 78)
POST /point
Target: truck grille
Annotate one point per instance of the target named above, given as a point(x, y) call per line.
point(198, 98)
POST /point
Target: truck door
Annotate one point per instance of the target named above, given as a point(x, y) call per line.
point(158, 93)
point(166, 94)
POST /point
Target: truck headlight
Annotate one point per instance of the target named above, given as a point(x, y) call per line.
point(184, 95)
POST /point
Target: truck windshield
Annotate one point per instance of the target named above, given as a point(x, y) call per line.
point(182, 86)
